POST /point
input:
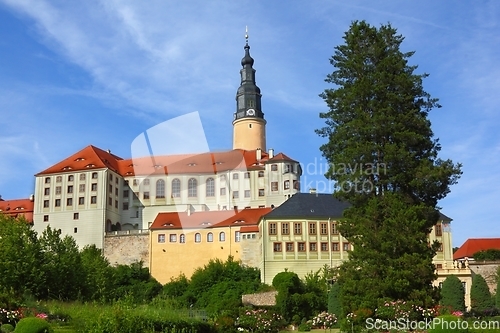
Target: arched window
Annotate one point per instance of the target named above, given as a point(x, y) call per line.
point(70, 178)
point(192, 187)
point(197, 237)
point(176, 188)
point(182, 238)
point(47, 180)
point(210, 237)
point(222, 237)
point(58, 179)
point(160, 188)
point(210, 187)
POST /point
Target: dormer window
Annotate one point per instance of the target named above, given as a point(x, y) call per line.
point(80, 159)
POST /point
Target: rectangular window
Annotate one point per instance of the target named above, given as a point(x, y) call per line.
point(277, 247)
point(297, 228)
point(301, 247)
point(45, 203)
point(440, 248)
point(94, 187)
point(285, 228)
point(76, 216)
point(274, 167)
point(261, 192)
point(58, 179)
point(335, 247)
point(346, 246)
point(272, 228)
point(134, 182)
point(274, 186)
point(312, 228)
point(261, 174)
point(286, 185)
point(110, 188)
point(287, 168)
point(222, 191)
point(145, 195)
point(313, 247)
point(235, 176)
point(125, 206)
point(289, 247)
point(116, 191)
point(116, 203)
point(247, 193)
point(161, 238)
point(296, 185)
point(236, 194)
point(125, 193)
point(438, 230)
point(173, 238)
point(93, 199)
point(81, 200)
point(82, 176)
point(81, 188)
point(58, 190)
point(237, 236)
point(323, 228)
point(110, 201)
point(335, 231)
point(46, 191)
point(45, 218)
point(69, 202)
point(70, 189)
point(75, 230)
point(146, 182)
point(110, 177)
point(247, 175)
point(58, 203)
point(439, 266)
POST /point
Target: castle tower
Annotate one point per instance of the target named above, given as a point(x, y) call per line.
point(249, 126)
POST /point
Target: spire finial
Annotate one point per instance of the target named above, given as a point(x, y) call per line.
point(246, 34)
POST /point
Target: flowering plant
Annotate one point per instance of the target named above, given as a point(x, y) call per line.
point(9, 317)
point(259, 320)
point(324, 320)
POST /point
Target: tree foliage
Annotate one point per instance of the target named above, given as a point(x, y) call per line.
point(487, 255)
point(480, 296)
point(334, 303)
point(384, 161)
point(453, 294)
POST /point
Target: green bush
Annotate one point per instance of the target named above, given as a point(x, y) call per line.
point(453, 294)
point(32, 325)
point(6, 328)
point(480, 296)
point(334, 305)
point(448, 323)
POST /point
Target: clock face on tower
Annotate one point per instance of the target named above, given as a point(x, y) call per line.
point(250, 112)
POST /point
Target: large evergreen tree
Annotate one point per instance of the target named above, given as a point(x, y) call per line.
point(384, 160)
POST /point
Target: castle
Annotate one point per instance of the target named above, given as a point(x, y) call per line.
point(176, 212)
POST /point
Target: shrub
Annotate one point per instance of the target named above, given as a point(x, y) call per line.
point(448, 323)
point(6, 328)
point(32, 325)
point(480, 296)
point(453, 294)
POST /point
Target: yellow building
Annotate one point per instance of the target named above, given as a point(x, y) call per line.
point(182, 242)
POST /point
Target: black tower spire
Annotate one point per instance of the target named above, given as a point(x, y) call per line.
point(248, 97)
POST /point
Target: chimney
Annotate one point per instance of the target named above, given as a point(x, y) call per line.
point(189, 210)
point(312, 190)
point(1, 198)
point(32, 197)
point(271, 152)
point(258, 154)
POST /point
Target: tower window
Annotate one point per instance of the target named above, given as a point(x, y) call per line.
point(249, 125)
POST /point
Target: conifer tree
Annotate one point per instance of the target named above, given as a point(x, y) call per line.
point(384, 161)
point(453, 294)
point(480, 296)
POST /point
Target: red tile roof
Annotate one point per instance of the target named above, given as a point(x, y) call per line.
point(212, 162)
point(89, 157)
point(473, 245)
point(281, 157)
point(210, 219)
point(17, 208)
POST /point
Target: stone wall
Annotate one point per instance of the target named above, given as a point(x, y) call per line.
point(122, 248)
point(251, 250)
point(260, 299)
point(488, 270)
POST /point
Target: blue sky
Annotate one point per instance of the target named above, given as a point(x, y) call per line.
point(74, 73)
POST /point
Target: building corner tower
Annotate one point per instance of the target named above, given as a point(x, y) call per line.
point(249, 126)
